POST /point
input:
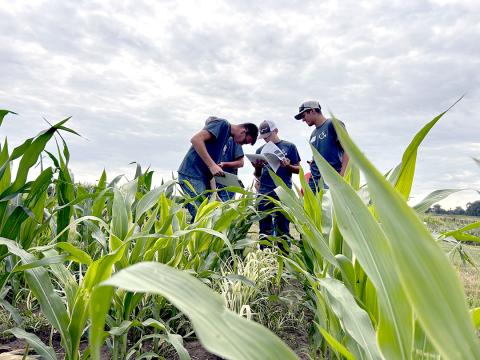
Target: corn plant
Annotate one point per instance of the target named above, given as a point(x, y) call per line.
point(397, 282)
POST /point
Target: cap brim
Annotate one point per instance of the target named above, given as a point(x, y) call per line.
point(299, 115)
point(263, 136)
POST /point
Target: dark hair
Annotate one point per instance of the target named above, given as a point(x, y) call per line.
point(252, 130)
point(317, 110)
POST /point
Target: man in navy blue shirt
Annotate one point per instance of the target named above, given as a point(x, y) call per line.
point(202, 160)
point(232, 159)
point(324, 138)
point(290, 165)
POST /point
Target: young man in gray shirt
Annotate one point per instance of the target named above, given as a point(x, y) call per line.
point(290, 165)
point(202, 160)
point(324, 139)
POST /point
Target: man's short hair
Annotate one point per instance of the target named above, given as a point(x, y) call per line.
point(252, 131)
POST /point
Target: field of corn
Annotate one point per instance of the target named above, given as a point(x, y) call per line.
point(117, 270)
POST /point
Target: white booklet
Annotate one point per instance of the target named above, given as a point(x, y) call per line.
point(271, 154)
point(229, 180)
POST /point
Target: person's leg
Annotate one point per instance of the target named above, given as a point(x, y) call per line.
point(265, 223)
point(283, 225)
point(199, 187)
point(316, 184)
point(312, 184)
point(223, 195)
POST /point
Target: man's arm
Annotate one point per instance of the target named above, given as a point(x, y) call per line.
point(232, 164)
point(345, 159)
point(198, 142)
point(293, 168)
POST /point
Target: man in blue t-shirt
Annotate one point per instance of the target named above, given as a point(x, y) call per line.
point(200, 163)
point(324, 138)
point(290, 165)
point(232, 159)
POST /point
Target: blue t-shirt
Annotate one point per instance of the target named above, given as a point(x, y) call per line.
point(324, 138)
point(231, 152)
point(192, 164)
point(266, 182)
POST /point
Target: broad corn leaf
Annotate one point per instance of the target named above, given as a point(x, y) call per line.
point(428, 279)
point(220, 331)
point(403, 175)
point(369, 244)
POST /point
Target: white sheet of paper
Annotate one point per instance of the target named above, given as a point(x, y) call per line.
point(271, 154)
point(271, 148)
point(255, 157)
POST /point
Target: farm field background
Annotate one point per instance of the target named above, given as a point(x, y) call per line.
point(118, 270)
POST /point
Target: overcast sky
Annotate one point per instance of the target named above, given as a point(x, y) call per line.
point(139, 78)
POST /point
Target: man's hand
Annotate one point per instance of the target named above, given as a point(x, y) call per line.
point(221, 164)
point(216, 170)
point(258, 163)
point(285, 162)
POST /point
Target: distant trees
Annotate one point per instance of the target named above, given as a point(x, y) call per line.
point(472, 209)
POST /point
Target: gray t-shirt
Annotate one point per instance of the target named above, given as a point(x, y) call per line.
point(231, 152)
point(266, 182)
point(192, 164)
point(324, 139)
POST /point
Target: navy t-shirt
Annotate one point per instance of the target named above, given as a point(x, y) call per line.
point(266, 182)
point(192, 164)
point(324, 138)
point(231, 152)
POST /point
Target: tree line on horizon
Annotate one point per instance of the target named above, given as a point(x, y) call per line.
point(471, 209)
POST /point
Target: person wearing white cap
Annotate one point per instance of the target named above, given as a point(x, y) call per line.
point(324, 138)
point(291, 165)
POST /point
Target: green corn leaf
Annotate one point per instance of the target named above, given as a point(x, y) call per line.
point(34, 341)
point(99, 202)
point(347, 270)
point(370, 245)
point(119, 215)
point(150, 199)
point(3, 113)
point(177, 342)
point(475, 313)
point(12, 310)
point(433, 198)
point(41, 286)
point(65, 195)
point(335, 344)
point(221, 331)
point(76, 254)
point(308, 225)
point(462, 235)
point(403, 175)
point(354, 319)
point(48, 260)
point(4, 168)
point(14, 221)
point(30, 151)
point(428, 279)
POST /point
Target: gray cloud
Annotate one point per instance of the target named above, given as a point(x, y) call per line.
point(140, 78)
